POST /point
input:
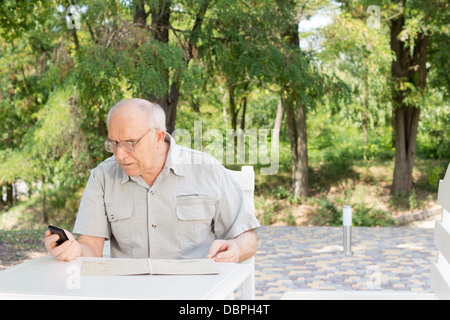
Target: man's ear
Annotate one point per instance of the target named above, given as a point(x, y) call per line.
point(160, 136)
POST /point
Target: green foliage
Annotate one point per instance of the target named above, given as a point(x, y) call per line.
point(57, 85)
point(336, 142)
point(435, 175)
point(32, 237)
point(330, 214)
point(280, 192)
point(269, 214)
point(433, 139)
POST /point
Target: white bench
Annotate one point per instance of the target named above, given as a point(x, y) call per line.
point(440, 270)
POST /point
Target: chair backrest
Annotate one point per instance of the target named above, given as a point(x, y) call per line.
point(440, 270)
point(246, 179)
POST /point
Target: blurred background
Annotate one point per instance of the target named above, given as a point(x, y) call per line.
point(359, 91)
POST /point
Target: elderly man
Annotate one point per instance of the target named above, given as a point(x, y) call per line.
point(156, 199)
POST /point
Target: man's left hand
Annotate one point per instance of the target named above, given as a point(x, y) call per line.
point(224, 251)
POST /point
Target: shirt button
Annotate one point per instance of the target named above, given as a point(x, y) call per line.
point(152, 193)
point(154, 226)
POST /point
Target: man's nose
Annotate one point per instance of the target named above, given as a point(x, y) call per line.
point(120, 153)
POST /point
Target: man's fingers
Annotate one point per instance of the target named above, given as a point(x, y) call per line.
point(225, 256)
point(216, 247)
point(223, 251)
point(66, 251)
point(58, 251)
point(50, 241)
point(69, 235)
point(69, 253)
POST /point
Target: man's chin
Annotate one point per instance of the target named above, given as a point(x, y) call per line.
point(129, 169)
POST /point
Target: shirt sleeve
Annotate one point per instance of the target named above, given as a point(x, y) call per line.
point(235, 212)
point(91, 218)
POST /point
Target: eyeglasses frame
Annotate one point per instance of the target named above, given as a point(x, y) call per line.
point(108, 142)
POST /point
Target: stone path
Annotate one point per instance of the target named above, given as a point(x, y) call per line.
point(292, 258)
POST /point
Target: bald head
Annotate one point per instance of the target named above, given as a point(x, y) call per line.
point(153, 111)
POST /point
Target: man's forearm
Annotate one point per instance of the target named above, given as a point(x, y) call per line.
point(88, 251)
point(91, 246)
point(248, 244)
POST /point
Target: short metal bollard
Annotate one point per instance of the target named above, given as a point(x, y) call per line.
point(347, 223)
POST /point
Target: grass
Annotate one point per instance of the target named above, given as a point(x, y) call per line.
point(29, 238)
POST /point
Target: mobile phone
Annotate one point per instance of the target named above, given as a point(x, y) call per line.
point(60, 232)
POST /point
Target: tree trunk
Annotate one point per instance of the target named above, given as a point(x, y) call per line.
point(296, 125)
point(278, 118)
point(244, 106)
point(140, 16)
point(9, 194)
point(408, 66)
point(160, 31)
point(301, 172)
point(232, 104)
point(406, 120)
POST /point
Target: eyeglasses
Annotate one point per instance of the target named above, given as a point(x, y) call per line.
point(127, 146)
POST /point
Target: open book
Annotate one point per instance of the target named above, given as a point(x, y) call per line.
point(123, 267)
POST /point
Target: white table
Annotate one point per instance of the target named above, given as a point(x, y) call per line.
point(47, 278)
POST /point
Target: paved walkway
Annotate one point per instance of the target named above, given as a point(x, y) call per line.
point(292, 258)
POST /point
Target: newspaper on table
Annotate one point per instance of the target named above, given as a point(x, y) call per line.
point(124, 267)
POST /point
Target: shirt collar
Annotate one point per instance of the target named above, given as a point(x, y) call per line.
point(174, 157)
point(173, 160)
point(125, 177)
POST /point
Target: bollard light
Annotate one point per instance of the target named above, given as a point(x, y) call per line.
point(347, 223)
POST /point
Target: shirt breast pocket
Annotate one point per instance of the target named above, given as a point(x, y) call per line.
point(195, 214)
point(119, 217)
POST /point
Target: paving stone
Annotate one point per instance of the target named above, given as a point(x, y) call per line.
point(293, 258)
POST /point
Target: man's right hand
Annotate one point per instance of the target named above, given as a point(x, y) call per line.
point(67, 251)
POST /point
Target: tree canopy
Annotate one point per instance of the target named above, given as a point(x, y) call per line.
point(63, 64)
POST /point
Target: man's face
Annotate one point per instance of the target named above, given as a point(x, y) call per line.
point(130, 124)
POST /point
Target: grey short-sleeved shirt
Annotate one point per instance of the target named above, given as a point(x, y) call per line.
point(192, 202)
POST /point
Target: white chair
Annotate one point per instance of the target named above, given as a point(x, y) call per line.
point(246, 179)
point(440, 270)
point(107, 249)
